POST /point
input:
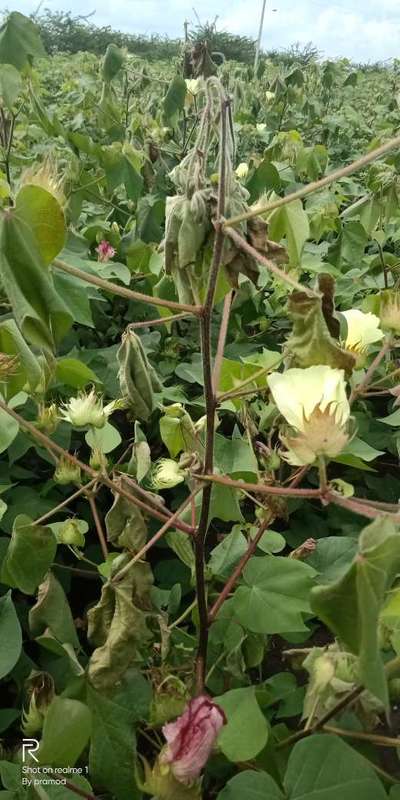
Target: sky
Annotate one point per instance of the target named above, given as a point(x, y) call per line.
point(362, 30)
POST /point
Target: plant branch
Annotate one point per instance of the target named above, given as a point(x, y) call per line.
point(279, 273)
point(123, 291)
point(98, 476)
point(371, 369)
point(261, 488)
point(211, 405)
point(222, 339)
point(234, 577)
point(143, 550)
point(99, 527)
point(316, 185)
point(66, 502)
point(237, 391)
point(376, 738)
point(363, 509)
point(147, 323)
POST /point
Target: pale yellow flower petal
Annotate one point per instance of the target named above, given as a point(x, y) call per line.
point(362, 330)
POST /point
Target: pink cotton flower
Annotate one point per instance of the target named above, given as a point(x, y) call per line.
point(105, 251)
point(190, 739)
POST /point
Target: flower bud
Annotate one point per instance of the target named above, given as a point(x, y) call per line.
point(47, 419)
point(8, 365)
point(105, 251)
point(98, 460)
point(389, 309)
point(70, 533)
point(242, 170)
point(66, 472)
point(41, 691)
point(191, 738)
point(169, 700)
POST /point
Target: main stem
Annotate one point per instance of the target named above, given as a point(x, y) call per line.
point(211, 406)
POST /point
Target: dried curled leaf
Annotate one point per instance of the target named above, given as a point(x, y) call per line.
point(52, 613)
point(138, 379)
point(125, 524)
point(117, 626)
point(326, 285)
point(256, 234)
point(310, 342)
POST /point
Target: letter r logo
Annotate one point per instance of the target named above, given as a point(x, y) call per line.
point(29, 746)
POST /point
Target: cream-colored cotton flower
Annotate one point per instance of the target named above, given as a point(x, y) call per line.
point(242, 170)
point(87, 409)
point(261, 127)
point(167, 474)
point(362, 330)
point(314, 403)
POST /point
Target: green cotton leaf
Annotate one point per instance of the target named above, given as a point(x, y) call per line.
point(310, 341)
point(112, 755)
point(178, 433)
point(351, 605)
point(10, 635)
point(243, 714)
point(7, 717)
point(72, 372)
point(350, 246)
point(19, 41)
point(112, 62)
point(226, 555)
point(41, 212)
point(11, 778)
point(10, 84)
point(117, 627)
point(150, 218)
point(29, 370)
point(105, 439)
point(235, 457)
point(392, 419)
point(264, 179)
point(52, 611)
point(66, 732)
point(30, 554)
point(174, 100)
point(251, 784)
point(356, 447)
point(224, 504)
point(323, 767)
point(290, 221)
point(272, 542)
point(9, 428)
point(182, 547)
point(274, 595)
point(332, 557)
point(125, 525)
point(40, 313)
point(59, 791)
